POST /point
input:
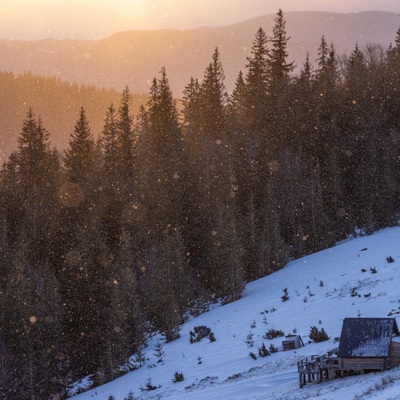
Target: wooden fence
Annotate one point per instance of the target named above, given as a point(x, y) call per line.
point(318, 368)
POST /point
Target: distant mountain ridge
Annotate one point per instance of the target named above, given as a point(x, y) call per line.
point(133, 58)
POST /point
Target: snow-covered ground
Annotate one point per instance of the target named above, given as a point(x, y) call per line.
point(323, 289)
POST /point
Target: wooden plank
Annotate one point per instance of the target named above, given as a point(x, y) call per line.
point(394, 354)
point(360, 364)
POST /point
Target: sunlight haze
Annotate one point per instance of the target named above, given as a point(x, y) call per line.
point(89, 19)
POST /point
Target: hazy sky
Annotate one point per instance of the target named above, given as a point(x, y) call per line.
point(93, 19)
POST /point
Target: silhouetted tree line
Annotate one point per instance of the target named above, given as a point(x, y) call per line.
point(129, 234)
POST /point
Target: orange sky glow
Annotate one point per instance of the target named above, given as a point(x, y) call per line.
point(95, 19)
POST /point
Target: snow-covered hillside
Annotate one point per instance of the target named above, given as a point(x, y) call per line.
point(323, 289)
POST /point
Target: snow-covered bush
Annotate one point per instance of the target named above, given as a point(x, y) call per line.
point(178, 377)
point(263, 351)
point(201, 332)
point(317, 335)
point(273, 333)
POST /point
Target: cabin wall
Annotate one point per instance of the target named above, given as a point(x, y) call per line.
point(291, 343)
point(364, 364)
point(394, 354)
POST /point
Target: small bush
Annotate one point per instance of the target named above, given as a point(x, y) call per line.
point(130, 396)
point(263, 351)
point(253, 356)
point(273, 349)
point(285, 296)
point(363, 270)
point(390, 259)
point(373, 270)
point(178, 377)
point(249, 340)
point(273, 333)
point(321, 283)
point(148, 386)
point(159, 352)
point(317, 335)
point(201, 332)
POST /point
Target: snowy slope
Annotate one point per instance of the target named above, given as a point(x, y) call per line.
point(323, 289)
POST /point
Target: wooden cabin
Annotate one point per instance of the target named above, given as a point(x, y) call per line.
point(292, 342)
point(366, 344)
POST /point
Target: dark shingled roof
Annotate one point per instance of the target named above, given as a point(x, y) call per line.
point(367, 337)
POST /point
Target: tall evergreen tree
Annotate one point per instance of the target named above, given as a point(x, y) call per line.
point(329, 104)
point(163, 188)
point(126, 148)
point(109, 142)
point(37, 171)
point(190, 105)
point(253, 184)
point(302, 216)
point(31, 178)
point(162, 182)
point(280, 68)
point(111, 199)
point(257, 80)
point(392, 76)
point(213, 98)
point(80, 156)
point(83, 262)
point(279, 79)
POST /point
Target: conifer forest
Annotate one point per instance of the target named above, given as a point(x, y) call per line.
point(129, 232)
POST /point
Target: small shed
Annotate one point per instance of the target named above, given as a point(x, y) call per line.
point(292, 342)
point(366, 344)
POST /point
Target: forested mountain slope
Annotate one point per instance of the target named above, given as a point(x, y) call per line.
point(133, 58)
point(57, 102)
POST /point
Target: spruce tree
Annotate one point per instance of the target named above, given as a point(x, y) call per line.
point(162, 157)
point(111, 196)
point(190, 105)
point(126, 149)
point(84, 260)
point(110, 147)
point(80, 156)
point(278, 90)
point(253, 185)
point(163, 188)
point(32, 306)
point(213, 98)
point(280, 68)
point(328, 105)
point(257, 80)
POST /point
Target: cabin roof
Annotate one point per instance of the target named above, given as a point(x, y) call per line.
point(367, 337)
